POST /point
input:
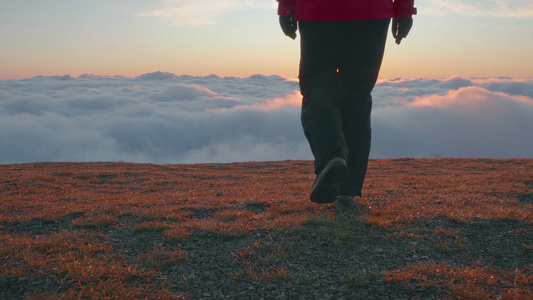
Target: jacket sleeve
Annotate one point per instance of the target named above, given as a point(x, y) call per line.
point(404, 8)
point(286, 8)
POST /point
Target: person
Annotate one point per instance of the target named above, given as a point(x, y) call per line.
point(342, 44)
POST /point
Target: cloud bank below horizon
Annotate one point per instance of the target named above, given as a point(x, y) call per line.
point(164, 118)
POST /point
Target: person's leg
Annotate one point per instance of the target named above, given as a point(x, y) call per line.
point(321, 117)
point(321, 44)
point(360, 65)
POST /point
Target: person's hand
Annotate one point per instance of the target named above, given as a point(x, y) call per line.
point(401, 28)
point(289, 26)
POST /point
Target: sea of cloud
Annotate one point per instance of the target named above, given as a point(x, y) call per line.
point(164, 118)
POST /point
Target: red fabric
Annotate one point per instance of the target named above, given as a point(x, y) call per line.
point(341, 10)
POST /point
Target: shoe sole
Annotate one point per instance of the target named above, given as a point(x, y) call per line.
point(326, 185)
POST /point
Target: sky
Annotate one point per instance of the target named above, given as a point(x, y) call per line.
point(488, 38)
point(174, 81)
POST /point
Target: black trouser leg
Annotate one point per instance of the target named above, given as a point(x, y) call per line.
point(340, 62)
point(319, 85)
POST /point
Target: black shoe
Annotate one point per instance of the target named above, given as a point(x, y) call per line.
point(326, 185)
point(347, 204)
point(345, 201)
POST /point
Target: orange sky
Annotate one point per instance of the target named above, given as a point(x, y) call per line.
point(239, 38)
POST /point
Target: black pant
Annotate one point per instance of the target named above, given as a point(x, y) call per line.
point(339, 66)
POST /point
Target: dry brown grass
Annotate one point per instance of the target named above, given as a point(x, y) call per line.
point(474, 281)
point(89, 200)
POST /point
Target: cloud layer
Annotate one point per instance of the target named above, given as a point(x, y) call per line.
point(519, 9)
point(164, 118)
point(208, 12)
point(202, 12)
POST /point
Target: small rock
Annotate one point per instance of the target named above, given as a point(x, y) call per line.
point(213, 277)
point(378, 250)
point(3, 280)
point(219, 194)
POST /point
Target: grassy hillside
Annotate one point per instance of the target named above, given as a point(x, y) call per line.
point(429, 228)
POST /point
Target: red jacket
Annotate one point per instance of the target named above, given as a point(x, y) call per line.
point(341, 10)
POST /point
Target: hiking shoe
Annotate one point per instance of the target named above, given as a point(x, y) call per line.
point(346, 201)
point(326, 185)
point(347, 204)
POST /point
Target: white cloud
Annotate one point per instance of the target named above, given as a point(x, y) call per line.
point(208, 12)
point(202, 12)
point(471, 121)
point(294, 100)
point(164, 118)
point(521, 9)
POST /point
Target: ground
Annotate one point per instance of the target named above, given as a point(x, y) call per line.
point(427, 229)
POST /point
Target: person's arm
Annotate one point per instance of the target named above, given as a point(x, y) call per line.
point(404, 9)
point(403, 19)
point(286, 8)
point(287, 19)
